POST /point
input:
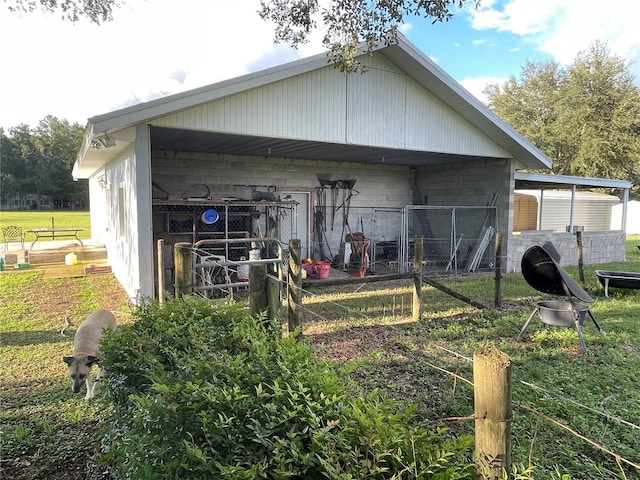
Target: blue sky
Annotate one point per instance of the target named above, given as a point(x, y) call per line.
point(158, 47)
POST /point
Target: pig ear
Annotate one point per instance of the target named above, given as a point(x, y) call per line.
point(67, 360)
point(91, 360)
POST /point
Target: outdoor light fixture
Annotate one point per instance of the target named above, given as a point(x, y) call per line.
point(107, 141)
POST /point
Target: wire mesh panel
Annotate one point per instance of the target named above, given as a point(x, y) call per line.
point(455, 239)
point(227, 227)
point(387, 226)
point(216, 277)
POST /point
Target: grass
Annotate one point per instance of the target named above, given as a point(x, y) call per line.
point(597, 395)
point(30, 219)
point(47, 432)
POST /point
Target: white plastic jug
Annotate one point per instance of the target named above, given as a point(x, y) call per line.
point(71, 259)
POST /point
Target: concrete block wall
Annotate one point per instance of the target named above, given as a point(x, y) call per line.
point(465, 183)
point(378, 185)
point(597, 247)
point(472, 183)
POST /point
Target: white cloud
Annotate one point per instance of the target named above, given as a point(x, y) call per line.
point(562, 28)
point(476, 85)
point(151, 49)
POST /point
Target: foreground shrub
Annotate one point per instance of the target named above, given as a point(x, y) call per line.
point(203, 390)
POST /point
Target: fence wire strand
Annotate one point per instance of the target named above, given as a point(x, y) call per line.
point(580, 436)
point(565, 399)
point(618, 458)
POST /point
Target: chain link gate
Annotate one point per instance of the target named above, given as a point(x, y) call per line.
point(456, 238)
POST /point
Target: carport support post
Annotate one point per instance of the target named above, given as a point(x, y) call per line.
point(417, 277)
point(580, 262)
point(492, 400)
point(161, 271)
point(498, 270)
point(294, 285)
point(183, 266)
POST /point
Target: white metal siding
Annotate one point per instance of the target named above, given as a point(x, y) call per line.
point(592, 210)
point(307, 106)
point(383, 107)
point(122, 244)
point(376, 109)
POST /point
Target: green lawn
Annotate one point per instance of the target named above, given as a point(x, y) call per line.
point(47, 218)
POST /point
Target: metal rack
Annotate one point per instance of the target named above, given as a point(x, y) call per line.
point(182, 219)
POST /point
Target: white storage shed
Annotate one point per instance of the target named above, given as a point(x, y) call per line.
point(550, 210)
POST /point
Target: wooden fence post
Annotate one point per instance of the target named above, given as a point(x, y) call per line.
point(274, 297)
point(294, 289)
point(417, 278)
point(493, 416)
point(498, 271)
point(183, 265)
point(580, 263)
point(257, 288)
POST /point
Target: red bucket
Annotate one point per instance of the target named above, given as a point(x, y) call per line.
point(308, 267)
point(323, 268)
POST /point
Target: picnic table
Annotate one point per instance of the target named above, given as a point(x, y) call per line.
point(54, 233)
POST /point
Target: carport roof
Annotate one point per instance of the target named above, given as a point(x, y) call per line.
point(541, 181)
point(404, 54)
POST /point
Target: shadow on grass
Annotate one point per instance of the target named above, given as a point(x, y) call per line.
point(41, 393)
point(35, 337)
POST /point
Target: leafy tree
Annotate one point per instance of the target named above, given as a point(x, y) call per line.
point(350, 22)
point(97, 11)
point(17, 163)
point(40, 161)
point(9, 168)
point(58, 141)
point(586, 117)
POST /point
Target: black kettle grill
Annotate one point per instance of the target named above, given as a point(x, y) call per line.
point(541, 270)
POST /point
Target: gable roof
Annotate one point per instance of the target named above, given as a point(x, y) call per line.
point(404, 54)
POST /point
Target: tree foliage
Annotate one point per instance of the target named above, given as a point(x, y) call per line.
point(97, 11)
point(348, 23)
point(39, 161)
point(585, 117)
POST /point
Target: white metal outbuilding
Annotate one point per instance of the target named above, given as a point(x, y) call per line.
point(633, 217)
point(551, 210)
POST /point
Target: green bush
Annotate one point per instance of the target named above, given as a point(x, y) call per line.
point(204, 390)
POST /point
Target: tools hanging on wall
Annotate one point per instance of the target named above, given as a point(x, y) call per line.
point(345, 185)
point(321, 221)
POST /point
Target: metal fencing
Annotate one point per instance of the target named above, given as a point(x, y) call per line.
point(456, 238)
point(337, 235)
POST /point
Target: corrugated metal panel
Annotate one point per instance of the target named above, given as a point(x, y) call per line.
point(432, 125)
point(383, 108)
point(309, 107)
point(376, 106)
point(525, 212)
